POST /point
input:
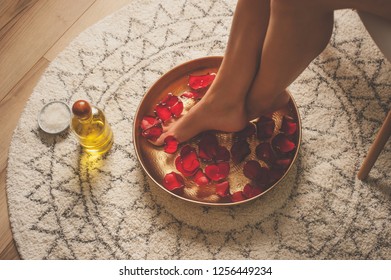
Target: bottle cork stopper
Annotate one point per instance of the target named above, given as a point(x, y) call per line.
point(81, 109)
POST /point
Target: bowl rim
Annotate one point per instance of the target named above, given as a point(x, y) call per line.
point(39, 119)
point(135, 140)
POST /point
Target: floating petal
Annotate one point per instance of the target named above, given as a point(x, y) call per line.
point(170, 100)
point(283, 163)
point(207, 147)
point(153, 133)
point(222, 189)
point(251, 169)
point(237, 196)
point(222, 154)
point(190, 162)
point(179, 167)
point(173, 181)
point(282, 144)
point(217, 172)
point(148, 122)
point(200, 178)
point(288, 125)
point(240, 150)
point(170, 144)
point(201, 81)
point(264, 152)
point(265, 127)
point(249, 191)
point(162, 112)
point(177, 109)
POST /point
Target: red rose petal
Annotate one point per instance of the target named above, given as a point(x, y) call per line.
point(153, 133)
point(283, 163)
point(170, 144)
point(263, 176)
point(179, 167)
point(173, 181)
point(190, 162)
point(207, 147)
point(275, 174)
point(176, 109)
point(187, 149)
point(217, 172)
point(264, 152)
point(191, 94)
point(170, 100)
point(247, 132)
point(254, 171)
point(240, 150)
point(200, 178)
point(250, 191)
point(213, 172)
point(222, 189)
point(237, 196)
point(222, 154)
point(148, 122)
point(265, 127)
point(282, 144)
point(224, 168)
point(202, 81)
point(251, 169)
point(170, 103)
point(163, 112)
point(257, 191)
point(288, 125)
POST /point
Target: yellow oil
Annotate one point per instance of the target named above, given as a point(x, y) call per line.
point(94, 133)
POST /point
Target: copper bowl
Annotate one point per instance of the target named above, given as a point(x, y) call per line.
point(156, 163)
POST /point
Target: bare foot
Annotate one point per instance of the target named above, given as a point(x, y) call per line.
point(258, 105)
point(213, 112)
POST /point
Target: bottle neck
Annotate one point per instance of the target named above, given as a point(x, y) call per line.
point(85, 119)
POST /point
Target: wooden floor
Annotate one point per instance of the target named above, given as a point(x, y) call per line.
point(32, 33)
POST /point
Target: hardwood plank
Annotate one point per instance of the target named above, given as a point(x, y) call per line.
point(11, 11)
point(97, 11)
point(12, 106)
point(10, 252)
point(33, 34)
point(8, 249)
point(10, 109)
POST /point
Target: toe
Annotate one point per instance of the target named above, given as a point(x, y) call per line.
point(160, 140)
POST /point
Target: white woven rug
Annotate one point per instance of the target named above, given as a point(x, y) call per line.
point(64, 207)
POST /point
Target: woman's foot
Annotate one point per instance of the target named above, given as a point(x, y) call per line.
point(213, 112)
point(262, 104)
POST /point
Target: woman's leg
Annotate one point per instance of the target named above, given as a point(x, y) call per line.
point(298, 32)
point(280, 37)
point(223, 106)
point(381, 8)
point(296, 35)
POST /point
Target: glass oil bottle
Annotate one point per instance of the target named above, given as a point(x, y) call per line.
point(91, 128)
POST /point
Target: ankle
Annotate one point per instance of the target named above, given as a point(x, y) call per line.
point(266, 105)
point(224, 100)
